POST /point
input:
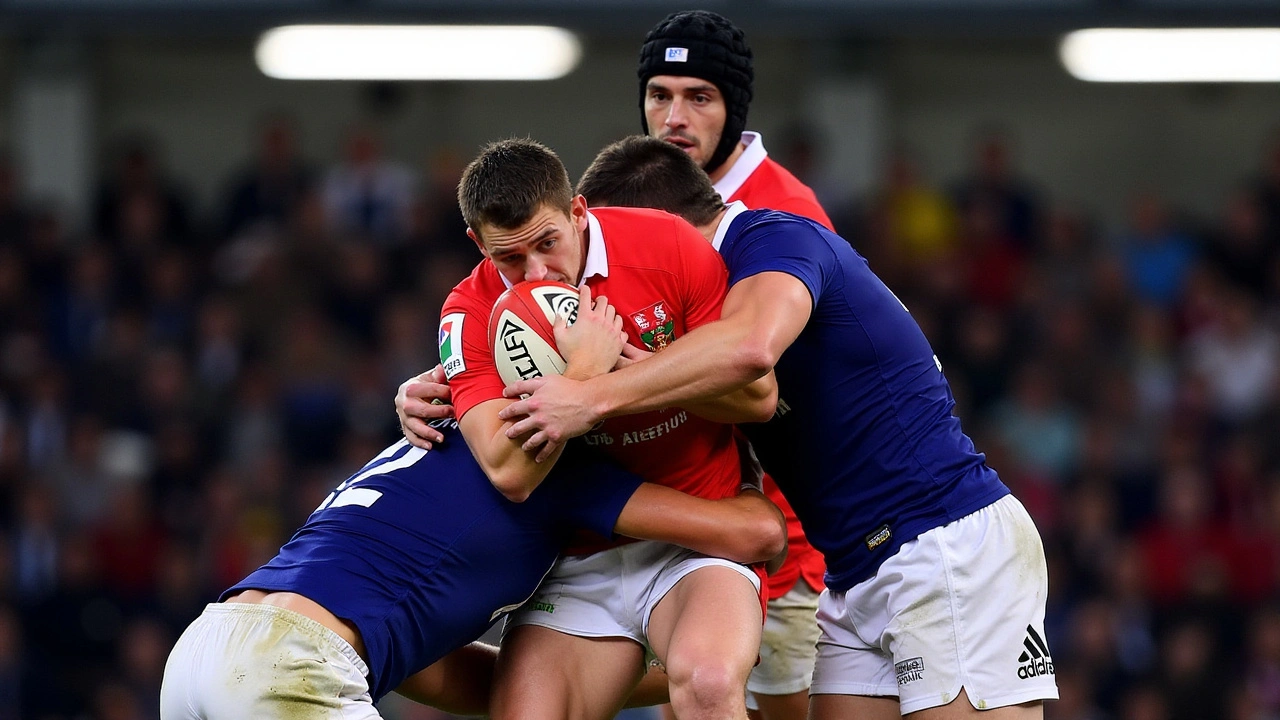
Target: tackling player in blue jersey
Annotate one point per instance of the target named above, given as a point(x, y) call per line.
point(407, 561)
point(936, 574)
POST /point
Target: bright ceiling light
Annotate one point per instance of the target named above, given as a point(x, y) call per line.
point(1173, 55)
point(417, 52)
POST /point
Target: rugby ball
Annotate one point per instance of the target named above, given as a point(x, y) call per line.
point(520, 329)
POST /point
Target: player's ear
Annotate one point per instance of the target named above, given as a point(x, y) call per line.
point(476, 239)
point(578, 212)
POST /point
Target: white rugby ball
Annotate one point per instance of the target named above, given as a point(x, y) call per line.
point(521, 334)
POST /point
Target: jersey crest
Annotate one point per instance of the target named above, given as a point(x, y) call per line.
point(657, 328)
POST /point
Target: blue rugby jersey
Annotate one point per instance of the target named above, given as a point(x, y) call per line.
point(863, 444)
point(421, 553)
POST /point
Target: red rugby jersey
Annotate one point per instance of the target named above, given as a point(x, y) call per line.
point(758, 182)
point(665, 279)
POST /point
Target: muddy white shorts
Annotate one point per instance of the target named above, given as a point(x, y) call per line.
point(788, 646)
point(960, 606)
point(239, 660)
point(612, 593)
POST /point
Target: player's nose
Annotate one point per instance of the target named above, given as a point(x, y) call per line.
point(675, 114)
point(535, 270)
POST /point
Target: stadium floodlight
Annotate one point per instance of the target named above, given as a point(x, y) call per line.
point(417, 52)
point(1173, 55)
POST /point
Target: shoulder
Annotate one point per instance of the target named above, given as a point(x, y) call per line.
point(483, 286)
point(643, 232)
point(632, 220)
point(758, 223)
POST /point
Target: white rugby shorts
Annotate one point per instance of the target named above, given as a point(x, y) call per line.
point(960, 606)
point(788, 646)
point(239, 660)
point(612, 593)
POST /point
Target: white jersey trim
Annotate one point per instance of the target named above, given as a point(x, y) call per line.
point(736, 208)
point(752, 157)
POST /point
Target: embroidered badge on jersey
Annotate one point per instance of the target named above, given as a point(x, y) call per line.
point(657, 328)
point(451, 344)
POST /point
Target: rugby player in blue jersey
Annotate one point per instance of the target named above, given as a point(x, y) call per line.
point(408, 561)
point(936, 574)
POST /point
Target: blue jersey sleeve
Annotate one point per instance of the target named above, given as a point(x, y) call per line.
point(776, 242)
point(593, 490)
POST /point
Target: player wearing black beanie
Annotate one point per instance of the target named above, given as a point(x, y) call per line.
point(702, 44)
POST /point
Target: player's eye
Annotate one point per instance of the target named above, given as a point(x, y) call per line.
point(547, 244)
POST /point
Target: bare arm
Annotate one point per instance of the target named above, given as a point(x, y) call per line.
point(459, 683)
point(763, 315)
point(753, 403)
point(745, 529)
point(512, 471)
point(591, 346)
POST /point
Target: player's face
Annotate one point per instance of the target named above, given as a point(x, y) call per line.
point(687, 112)
point(550, 246)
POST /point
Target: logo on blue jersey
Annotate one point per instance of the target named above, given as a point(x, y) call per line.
point(879, 537)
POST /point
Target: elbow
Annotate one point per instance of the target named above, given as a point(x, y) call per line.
point(512, 486)
point(763, 408)
point(773, 540)
point(762, 540)
point(753, 360)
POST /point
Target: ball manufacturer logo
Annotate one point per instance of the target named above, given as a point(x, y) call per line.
point(557, 301)
point(512, 335)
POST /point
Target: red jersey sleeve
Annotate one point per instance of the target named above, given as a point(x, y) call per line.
point(464, 351)
point(703, 279)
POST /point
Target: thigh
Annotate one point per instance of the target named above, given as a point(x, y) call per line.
point(861, 707)
point(794, 706)
point(544, 674)
point(713, 613)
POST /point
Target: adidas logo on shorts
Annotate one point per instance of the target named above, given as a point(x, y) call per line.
point(1035, 660)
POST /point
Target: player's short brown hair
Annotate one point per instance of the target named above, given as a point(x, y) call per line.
point(509, 180)
point(640, 171)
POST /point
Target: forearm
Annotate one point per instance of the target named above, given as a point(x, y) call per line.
point(745, 529)
point(701, 367)
point(459, 683)
point(763, 315)
point(754, 403)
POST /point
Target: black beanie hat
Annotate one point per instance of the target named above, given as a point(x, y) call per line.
point(702, 44)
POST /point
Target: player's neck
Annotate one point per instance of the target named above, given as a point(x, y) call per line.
point(727, 164)
point(709, 230)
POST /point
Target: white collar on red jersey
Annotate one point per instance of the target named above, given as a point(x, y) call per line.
point(597, 257)
point(736, 208)
point(753, 154)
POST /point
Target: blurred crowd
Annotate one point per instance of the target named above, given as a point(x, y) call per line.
point(180, 386)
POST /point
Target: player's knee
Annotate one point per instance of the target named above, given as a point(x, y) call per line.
point(705, 689)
